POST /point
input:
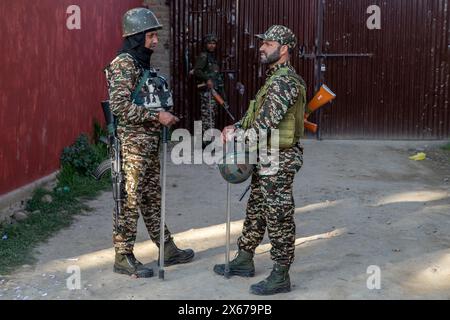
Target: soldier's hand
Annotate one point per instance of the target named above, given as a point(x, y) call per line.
point(228, 133)
point(167, 119)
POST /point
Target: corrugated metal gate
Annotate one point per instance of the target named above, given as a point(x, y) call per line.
point(391, 83)
point(403, 90)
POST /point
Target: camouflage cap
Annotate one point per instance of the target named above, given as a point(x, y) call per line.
point(281, 34)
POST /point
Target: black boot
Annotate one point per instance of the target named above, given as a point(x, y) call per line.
point(277, 282)
point(128, 264)
point(174, 256)
point(242, 265)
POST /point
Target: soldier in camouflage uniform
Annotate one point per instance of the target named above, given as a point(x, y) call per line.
point(207, 71)
point(139, 98)
point(280, 104)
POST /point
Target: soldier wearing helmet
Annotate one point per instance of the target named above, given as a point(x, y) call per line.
point(139, 98)
point(279, 104)
point(207, 73)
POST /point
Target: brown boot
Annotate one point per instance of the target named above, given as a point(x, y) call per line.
point(173, 255)
point(128, 264)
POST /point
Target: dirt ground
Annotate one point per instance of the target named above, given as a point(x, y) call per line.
point(359, 204)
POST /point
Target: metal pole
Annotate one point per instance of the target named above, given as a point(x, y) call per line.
point(319, 59)
point(228, 233)
point(163, 204)
point(211, 126)
point(119, 184)
point(228, 219)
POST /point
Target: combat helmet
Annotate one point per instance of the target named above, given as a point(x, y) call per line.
point(235, 167)
point(210, 38)
point(139, 20)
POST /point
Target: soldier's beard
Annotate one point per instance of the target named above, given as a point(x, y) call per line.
point(271, 58)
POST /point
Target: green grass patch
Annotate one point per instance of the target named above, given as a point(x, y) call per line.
point(74, 187)
point(446, 147)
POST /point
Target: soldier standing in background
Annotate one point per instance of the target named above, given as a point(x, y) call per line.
point(207, 73)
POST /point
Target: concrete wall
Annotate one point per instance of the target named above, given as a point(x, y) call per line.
point(162, 55)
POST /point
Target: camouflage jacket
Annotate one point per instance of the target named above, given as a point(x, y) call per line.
point(281, 95)
point(123, 76)
point(207, 67)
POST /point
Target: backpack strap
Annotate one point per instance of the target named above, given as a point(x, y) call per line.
point(135, 96)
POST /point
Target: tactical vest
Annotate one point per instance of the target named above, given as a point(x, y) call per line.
point(213, 66)
point(291, 128)
point(152, 91)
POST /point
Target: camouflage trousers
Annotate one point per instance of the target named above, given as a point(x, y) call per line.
point(209, 110)
point(271, 206)
point(141, 190)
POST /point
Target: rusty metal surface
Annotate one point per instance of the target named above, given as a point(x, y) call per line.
point(402, 91)
point(51, 80)
point(236, 22)
point(399, 93)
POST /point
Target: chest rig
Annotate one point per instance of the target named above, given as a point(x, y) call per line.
point(152, 91)
point(291, 128)
point(213, 67)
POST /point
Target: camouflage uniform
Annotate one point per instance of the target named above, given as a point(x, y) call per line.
point(207, 68)
point(139, 131)
point(271, 204)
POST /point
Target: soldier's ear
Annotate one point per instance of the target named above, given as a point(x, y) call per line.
point(284, 49)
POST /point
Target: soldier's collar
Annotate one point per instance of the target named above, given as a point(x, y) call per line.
point(277, 67)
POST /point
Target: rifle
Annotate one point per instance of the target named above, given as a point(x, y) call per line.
point(322, 97)
point(220, 101)
point(114, 163)
point(312, 127)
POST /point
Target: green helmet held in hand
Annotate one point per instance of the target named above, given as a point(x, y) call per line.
point(139, 20)
point(235, 167)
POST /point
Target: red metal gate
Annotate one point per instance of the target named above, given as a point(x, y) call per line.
point(51, 80)
point(235, 22)
point(402, 91)
point(391, 83)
